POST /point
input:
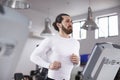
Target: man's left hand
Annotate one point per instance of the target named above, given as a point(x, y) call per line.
point(74, 59)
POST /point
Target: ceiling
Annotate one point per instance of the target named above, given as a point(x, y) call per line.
point(72, 7)
point(39, 9)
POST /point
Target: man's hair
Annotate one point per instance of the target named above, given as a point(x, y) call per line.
point(58, 19)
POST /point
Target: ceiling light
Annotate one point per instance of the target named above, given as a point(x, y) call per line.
point(47, 30)
point(17, 4)
point(89, 23)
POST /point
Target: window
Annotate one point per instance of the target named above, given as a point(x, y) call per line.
point(79, 33)
point(108, 26)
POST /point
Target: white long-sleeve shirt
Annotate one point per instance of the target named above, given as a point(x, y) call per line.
point(56, 48)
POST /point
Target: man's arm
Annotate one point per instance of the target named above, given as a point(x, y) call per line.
point(39, 55)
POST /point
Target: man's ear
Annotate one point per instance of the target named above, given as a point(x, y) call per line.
point(59, 25)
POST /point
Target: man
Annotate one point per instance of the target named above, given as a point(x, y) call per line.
point(58, 53)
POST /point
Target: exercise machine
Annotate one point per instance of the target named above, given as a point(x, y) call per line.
point(103, 63)
point(13, 36)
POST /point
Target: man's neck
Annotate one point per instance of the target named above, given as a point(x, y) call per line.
point(64, 35)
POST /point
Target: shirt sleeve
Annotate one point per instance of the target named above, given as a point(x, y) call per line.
point(39, 55)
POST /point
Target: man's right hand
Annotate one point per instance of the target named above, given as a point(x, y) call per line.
point(55, 65)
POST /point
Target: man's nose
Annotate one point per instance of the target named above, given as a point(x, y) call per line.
point(71, 23)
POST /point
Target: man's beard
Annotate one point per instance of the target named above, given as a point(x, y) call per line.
point(67, 31)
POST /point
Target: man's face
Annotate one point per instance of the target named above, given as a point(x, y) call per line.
point(67, 24)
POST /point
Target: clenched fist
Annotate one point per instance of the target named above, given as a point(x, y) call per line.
point(74, 59)
point(55, 65)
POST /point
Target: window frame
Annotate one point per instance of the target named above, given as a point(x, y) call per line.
point(80, 31)
point(108, 27)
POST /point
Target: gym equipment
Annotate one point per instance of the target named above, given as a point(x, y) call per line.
point(103, 63)
point(13, 36)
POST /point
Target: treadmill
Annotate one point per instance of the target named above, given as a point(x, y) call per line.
point(103, 63)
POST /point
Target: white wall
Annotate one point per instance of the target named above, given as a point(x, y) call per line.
point(37, 19)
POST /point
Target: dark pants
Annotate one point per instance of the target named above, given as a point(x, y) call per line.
point(49, 79)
